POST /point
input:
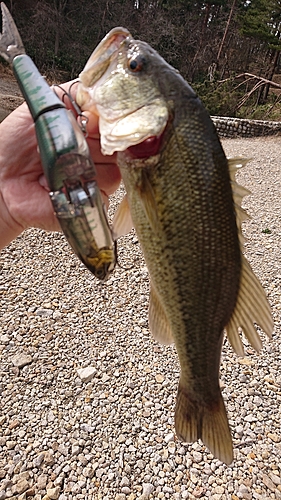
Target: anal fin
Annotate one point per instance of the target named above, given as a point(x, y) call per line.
point(158, 322)
point(207, 422)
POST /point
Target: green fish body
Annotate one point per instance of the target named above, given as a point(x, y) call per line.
point(185, 207)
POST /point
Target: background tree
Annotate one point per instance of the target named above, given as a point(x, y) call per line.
point(209, 41)
point(260, 20)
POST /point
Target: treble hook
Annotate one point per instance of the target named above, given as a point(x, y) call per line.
point(81, 118)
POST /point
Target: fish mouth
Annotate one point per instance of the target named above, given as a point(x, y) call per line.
point(103, 55)
point(136, 129)
point(147, 148)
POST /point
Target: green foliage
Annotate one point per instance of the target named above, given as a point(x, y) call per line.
point(233, 36)
point(219, 98)
point(252, 111)
point(223, 99)
point(260, 19)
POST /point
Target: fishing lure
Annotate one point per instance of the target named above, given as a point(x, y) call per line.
point(65, 157)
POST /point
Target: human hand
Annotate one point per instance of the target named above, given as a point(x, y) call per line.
point(24, 198)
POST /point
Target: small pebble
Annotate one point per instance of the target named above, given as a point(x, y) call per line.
point(20, 360)
point(91, 415)
point(86, 374)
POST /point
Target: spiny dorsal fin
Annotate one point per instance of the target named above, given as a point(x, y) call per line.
point(158, 322)
point(238, 191)
point(234, 164)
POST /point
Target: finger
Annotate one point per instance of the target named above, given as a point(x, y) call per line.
point(108, 177)
point(98, 157)
point(92, 124)
point(43, 182)
point(66, 92)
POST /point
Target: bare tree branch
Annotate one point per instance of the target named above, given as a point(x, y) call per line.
point(251, 77)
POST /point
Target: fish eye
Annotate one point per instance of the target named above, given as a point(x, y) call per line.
point(136, 63)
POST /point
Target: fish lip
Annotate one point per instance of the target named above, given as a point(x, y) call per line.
point(137, 145)
point(103, 55)
point(106, 60)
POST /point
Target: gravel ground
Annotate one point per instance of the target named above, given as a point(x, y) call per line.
point(10, 94)
point(107, 432)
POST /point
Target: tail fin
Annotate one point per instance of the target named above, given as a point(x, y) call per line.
point(207, 422)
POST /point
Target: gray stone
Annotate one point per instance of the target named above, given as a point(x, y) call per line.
point(21, 359)
point(53, 493)
point(86, 374)
point(11, 444)
point(88, 472)
point(126, 490)
point(147, 489)
point(87, 428)
point(75, 450)
point(44, 313)
point(4, 339)
point(197, 456)
point(37, 462)
point(42, 481)
point(169, 437)
point(124, 481)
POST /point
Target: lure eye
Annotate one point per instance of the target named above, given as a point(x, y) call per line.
point(136, 63)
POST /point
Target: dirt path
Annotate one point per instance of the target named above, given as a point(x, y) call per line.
point(10, 94)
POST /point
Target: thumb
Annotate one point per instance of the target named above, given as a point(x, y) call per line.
point(92, 124)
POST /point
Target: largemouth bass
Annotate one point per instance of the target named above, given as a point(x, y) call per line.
point(186, 209)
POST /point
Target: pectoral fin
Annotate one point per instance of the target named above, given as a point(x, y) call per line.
point(122, 221)
point(158, 321)
point(251, 307)
point(147, 198)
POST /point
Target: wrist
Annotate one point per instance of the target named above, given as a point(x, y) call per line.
point(9, 229)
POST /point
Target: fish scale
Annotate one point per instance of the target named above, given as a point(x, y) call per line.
point(186, 208)
point(196, 269)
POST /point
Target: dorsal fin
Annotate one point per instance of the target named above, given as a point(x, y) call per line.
point(238, 192)
point(251, 305)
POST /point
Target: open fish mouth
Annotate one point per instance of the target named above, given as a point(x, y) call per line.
point(103, 55)
point(147, 148)
point(100, 64)
point(117, 67)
